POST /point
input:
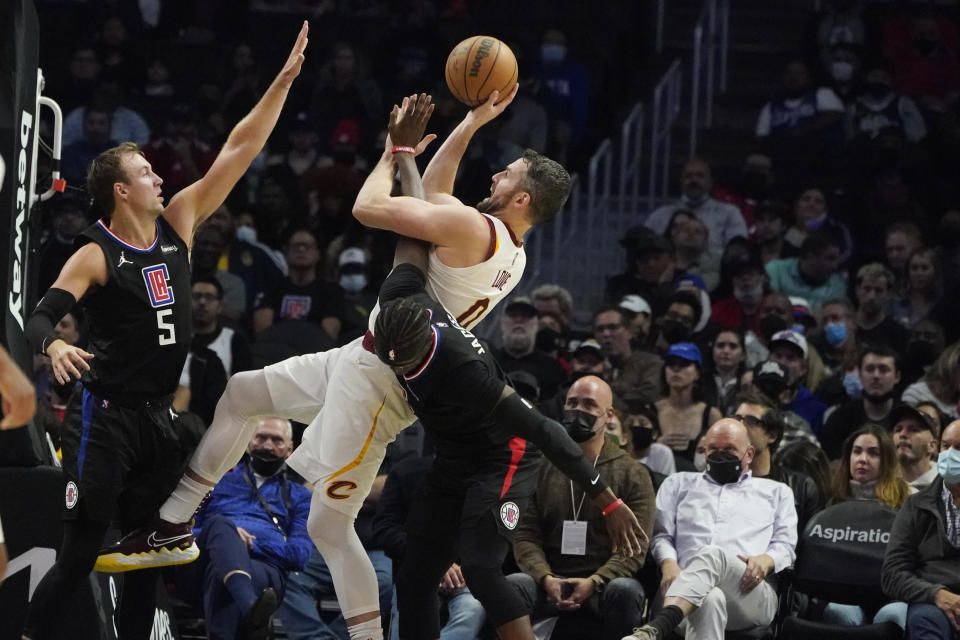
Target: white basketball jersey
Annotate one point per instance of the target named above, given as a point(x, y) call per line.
point(470, 293)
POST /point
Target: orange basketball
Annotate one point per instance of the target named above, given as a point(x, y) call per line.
point(478, 66)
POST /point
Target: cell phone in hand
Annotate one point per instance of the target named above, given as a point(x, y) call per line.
point(566, 590)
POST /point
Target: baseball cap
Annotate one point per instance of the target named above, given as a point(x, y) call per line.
point(352, 255)
point(685, 351)
point(591, 347)
point(802, 313)
point(770, 378)
point(521, 304)
point(904, 411)
point(689, 280)
point(347, 132)
point(635, 304)
point(790, 337)
point(643, 240)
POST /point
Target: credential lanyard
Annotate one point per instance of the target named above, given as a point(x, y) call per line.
point(248, 476)
point(573, 505)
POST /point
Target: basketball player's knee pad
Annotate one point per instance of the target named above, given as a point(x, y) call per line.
point(499, 598)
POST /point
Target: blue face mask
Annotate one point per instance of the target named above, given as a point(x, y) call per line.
point(835, 333)
point(948, 466)
point(852, 385)
point(798, 328)
point(553, 53)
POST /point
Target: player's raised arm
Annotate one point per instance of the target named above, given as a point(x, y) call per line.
point(442, 170)
point(194, 204)
point(407, 124)
point(450, 225)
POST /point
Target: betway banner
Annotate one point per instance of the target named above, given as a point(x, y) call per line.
point(19, 56)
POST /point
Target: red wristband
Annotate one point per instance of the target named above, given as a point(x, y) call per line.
point(399, 149)
point(612, 506)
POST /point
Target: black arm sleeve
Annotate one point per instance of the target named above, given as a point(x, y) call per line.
point(517, 418)
point(405, 280)
point(51, 308)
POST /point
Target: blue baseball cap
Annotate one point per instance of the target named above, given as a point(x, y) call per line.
point(685, 351)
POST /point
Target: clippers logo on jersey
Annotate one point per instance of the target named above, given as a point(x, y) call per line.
point(157, 279)
point(510, 515)
point(72, 495)
point(295, 307)
point(501, 280)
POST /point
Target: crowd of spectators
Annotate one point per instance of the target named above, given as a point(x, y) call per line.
point(814, 296)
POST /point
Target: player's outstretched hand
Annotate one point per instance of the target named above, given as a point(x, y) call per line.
point(292, 67)
point(19, 397)
point(624, 531)
point(494, 106)
point(67, 360)
point(409, 121)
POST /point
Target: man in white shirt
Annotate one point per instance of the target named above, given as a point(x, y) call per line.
point(915, 435)
point(718, 536)
point(723, 221)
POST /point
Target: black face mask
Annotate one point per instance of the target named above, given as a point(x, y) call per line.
point(549, 340)
point(579, 424)
point(723, 467)
point(755, 184)
point(265, 463)
point(771, 324)
point(674, 330)
point(877, 89)
point(642, 437)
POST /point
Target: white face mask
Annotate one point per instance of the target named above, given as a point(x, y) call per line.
point(353, 282)
point(841, 71)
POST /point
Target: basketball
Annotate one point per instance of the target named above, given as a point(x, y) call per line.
point(478, 66)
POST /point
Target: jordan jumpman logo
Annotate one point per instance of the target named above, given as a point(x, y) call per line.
point(123, 261)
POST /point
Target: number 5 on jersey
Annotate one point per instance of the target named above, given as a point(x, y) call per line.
point(157, 279)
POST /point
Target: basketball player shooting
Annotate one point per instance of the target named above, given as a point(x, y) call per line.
point(352, 403)
point(121, 454)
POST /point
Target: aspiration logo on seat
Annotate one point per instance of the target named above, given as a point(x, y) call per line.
point(849, 534)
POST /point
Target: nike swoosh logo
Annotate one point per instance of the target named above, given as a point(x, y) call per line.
point(594, 481)
point(154, 541)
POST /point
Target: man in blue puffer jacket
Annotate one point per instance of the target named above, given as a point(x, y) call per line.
point(251, 534)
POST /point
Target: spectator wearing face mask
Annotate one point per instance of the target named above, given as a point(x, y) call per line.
point(715, 552)
point(926, 343)
point(879, 368)
point(922, 563)
point(770, 379)
point(811, 214)
point(359, 297)
point(565, 93)
point(722, 221)
point(679, 321)
point(878, 107)
point(641, 423)
point(789, 350)
point(838, 347)
point(518, 352)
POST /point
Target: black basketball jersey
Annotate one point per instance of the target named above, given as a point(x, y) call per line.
point(456, 388)
point(140, 322)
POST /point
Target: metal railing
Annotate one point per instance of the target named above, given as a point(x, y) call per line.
point(666, 108)
point(708, 75)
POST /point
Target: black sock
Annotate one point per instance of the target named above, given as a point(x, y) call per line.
point(667, 620)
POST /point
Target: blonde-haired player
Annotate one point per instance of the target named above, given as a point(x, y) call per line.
point(352, 401)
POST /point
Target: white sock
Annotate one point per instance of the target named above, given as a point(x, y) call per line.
point(223, 443)
point(369, 630)
point(184, 500)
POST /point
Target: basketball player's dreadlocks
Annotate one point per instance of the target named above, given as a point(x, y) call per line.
point(403, 335)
